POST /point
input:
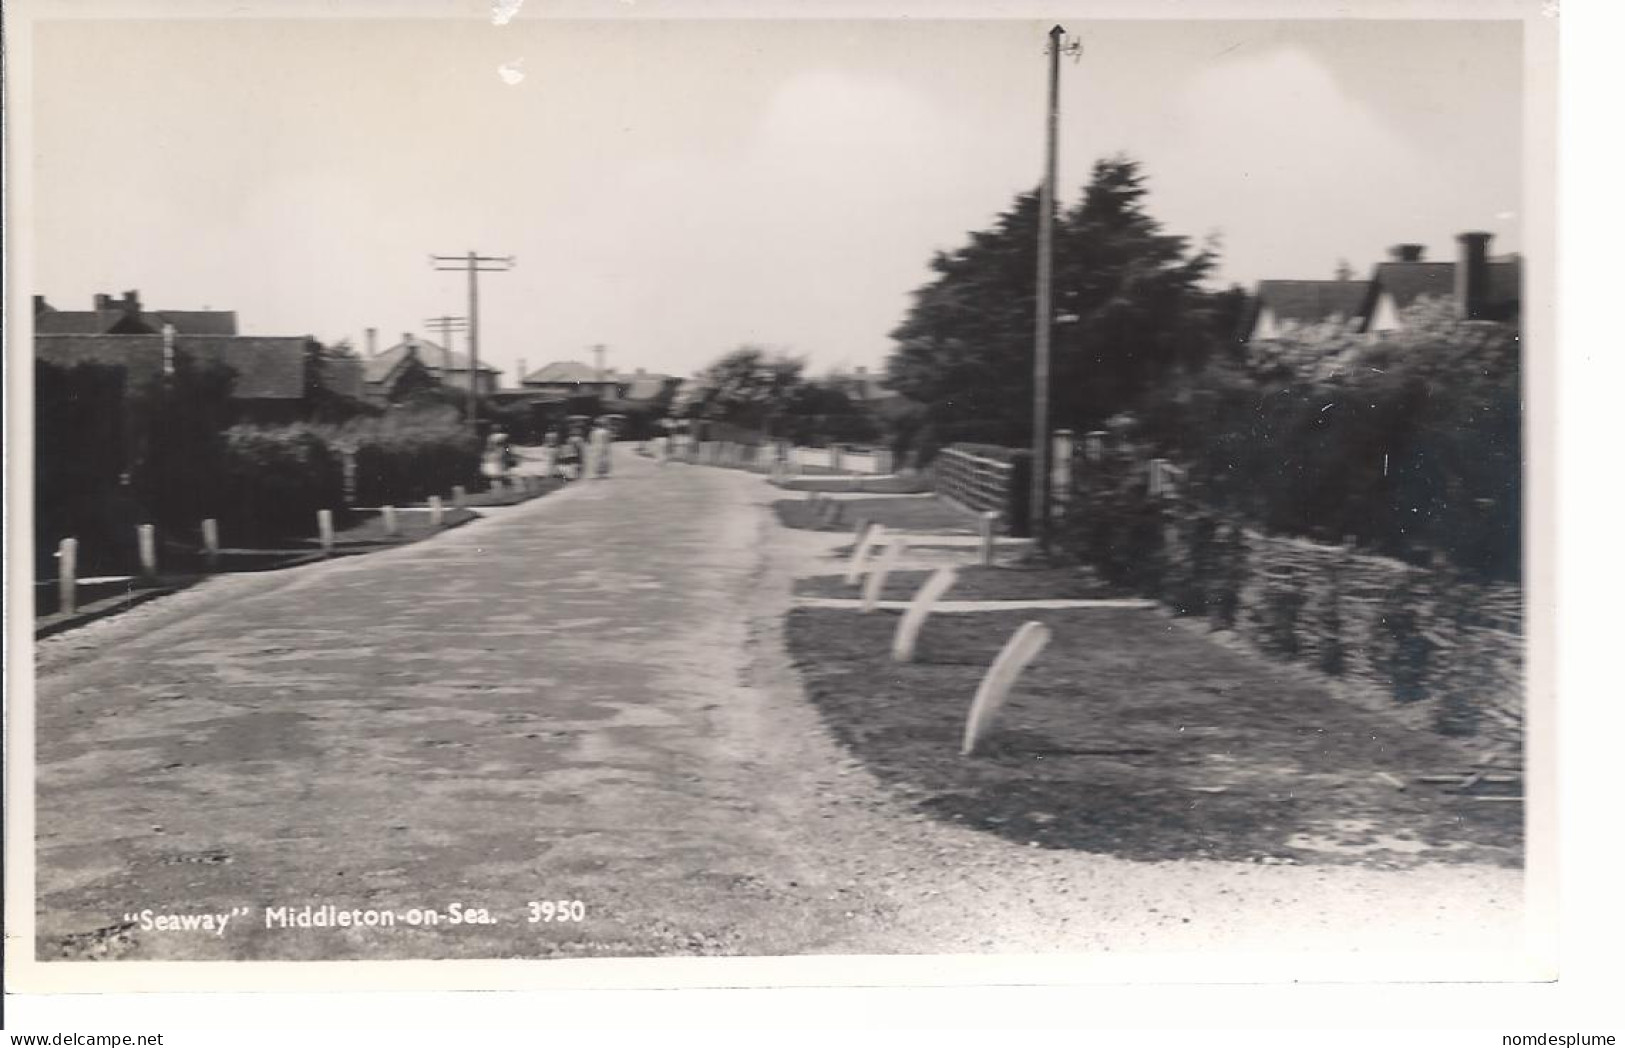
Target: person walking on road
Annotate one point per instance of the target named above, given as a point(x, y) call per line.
point(496, 461)
point(599, 443)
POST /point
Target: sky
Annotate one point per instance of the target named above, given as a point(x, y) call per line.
point(672, 189)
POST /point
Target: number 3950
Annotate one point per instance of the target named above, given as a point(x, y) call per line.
point(557, 910)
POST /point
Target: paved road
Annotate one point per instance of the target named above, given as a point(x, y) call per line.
point(583, 698)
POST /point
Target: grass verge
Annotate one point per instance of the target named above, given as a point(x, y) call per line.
point(979, 583)
point(1129, 737)
point(930, 516)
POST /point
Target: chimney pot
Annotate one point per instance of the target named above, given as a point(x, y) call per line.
point(1473, 276)
point(372, 342)
point(1407, 252)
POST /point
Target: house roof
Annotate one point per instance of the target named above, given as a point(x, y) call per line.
point(569, 371)
point(104, 321)
point(378, 367)
point(1312, 301)
point(267, 368)
point(1409, 281)
point(645, 386)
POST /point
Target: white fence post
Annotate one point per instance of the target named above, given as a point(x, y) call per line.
point(392, 521)
point(919, 609)
point(67, 579)
point(324, 530)
point(437, 511)
point(1022, 647)
point(984, 525)
point(211, 542)
point(876, 582)
point(146, 540)
point(459, 496)
point(860, 553)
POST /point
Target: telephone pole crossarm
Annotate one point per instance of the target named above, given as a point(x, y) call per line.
point(471, 263)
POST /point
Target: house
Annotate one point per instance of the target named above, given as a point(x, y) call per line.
point(1282, 306)
point(573, 378)
point(125, 316)
point(1481, 287)
point(406, 364)
point(276, 378)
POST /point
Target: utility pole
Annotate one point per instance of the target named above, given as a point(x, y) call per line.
point(473, 263)
point(1044, 318)
point(445, 326)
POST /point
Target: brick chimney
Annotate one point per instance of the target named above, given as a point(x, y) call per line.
point(102, 302)
point(131, 302)
point(372, 342)
point(1406, 252)
point(519, 377)
point(1473, 276)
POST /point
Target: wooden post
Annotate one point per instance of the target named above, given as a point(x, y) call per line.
point(324, 530)
point(860, 552)
point(211, 543)
point(1022, 647)
point(437, 511)
point(919, 609)
point(835, 458)
point(392, 522)
point(347, 464)
point(985, 525)
point(876, 582)
point(67, 578)
point(146, 540)
point(459, 496)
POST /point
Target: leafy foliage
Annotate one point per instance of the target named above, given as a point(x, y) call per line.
point(1129, 292)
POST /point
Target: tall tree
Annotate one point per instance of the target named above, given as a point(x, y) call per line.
point(1128, 296)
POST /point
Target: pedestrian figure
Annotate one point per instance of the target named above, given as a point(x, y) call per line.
point(497, 461)
point(600, 444)
point(550, 455)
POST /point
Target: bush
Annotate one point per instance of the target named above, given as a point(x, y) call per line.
point(409, 455)
point(276, 478)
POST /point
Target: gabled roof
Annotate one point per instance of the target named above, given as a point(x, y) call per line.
point(267, 368)
point(1312, 301)
point(110, 321)
point(568, 371)
point(645, 386)
point(1409, 281)
point(433, 356)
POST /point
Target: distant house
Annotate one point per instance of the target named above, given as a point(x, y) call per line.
point(1481, 287)
point(126, 316)
point(275, 378)
point(573, 378)
point(1282, 306)
point(390, 372)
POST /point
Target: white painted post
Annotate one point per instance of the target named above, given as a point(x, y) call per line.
point(324, 530)
point(860, 553)
point(392, 522)
point(1022, 647)
point(550, 461)
point(919, 609)
point(459, 496)
point(876, 582)
point(834, 458)
point(211, 542)
point(146, 540)
point(437, 511)
point(985, 524)
point(67, 576)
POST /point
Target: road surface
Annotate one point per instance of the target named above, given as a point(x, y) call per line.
point(569, 730)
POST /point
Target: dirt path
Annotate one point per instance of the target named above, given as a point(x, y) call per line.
point(585, 699)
